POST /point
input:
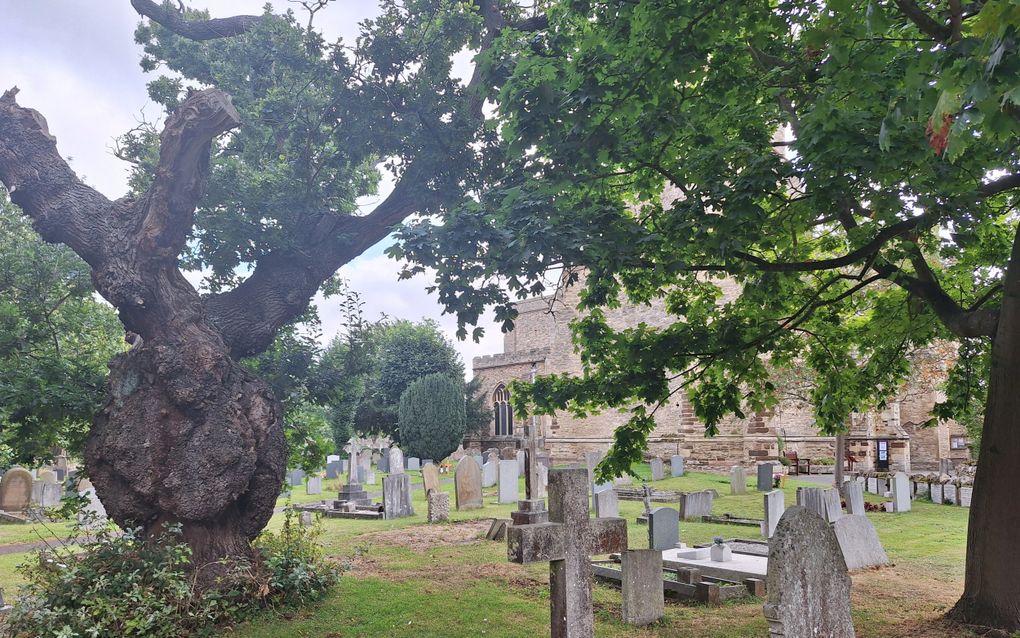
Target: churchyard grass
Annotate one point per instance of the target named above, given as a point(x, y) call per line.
point(407, 578)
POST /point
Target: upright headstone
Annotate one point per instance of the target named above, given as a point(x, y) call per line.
point(663, 528)
point(369, 476)
point(694, 505)
point(520, 462)
point(853, 493)
point(658, 472)
point(567, 542)
point(295, 477)
point(46, 494)
point(775, 505)
point(48, 476)
point(314, 486)
point(764, 482)
point(676, 465)
point(859, 543)
point(333, 470)
point(808, 585)
point(384, 460)
point(833, 505)
point(439, 506)
point(467, 483)
point(16, 490)
point(508, 481)
point(643, 595)
point(396, 460)
point(413, 463)
point(490, 473)
point(430, 477)
point(397, 496)
point(607, 504)
point(900, 492)
point(738, 480)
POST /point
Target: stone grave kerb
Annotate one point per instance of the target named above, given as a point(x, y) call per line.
point(567, 541)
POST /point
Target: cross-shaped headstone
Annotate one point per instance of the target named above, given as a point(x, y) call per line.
point(567, 542)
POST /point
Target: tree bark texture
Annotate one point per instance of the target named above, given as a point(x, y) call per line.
point(187, 435)
point(991, 595)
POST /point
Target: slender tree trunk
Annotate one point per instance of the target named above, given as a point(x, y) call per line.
point(837, 474)
point(991, 594)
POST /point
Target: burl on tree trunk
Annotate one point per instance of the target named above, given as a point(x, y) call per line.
point(187, 436)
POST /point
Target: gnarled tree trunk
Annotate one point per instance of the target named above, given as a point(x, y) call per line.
point(992, 584)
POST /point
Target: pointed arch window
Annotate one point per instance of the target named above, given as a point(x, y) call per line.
point(503, 412)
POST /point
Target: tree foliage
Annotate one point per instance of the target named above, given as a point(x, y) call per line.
point(55, 342)
point(431, 416)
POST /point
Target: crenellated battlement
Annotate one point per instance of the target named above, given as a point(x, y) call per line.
point(533, 355)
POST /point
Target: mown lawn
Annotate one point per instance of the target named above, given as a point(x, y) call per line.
point(407, 578)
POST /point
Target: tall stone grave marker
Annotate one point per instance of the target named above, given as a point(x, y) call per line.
point(430, 476)
point(663, 528)
point(643, 596)
point(738, 480)
point(508, 481)
point(808, 585)
point(397, 496)
point(658, 472)
point(900, 487)
point(567, 542)
point(16, 490)
point(775, 505)
point(764, 482)
point(396, 460)
point(467, 483)
point(676, 465)
point(352, 491)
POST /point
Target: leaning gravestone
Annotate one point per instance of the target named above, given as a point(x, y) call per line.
point(694, 505)
point(314, 486)
point(396, 496)
point(738, 480)
point(808, 585)
point(607, 503)
point(641, 582)
point(490, 473)
point(467, 483)
point(663, 528)
point(396, 460)
point(775, 505)
point(676, 465)
point(853, 492)
point(16, 490)
point(859, 543)
point(764, 482)
point(508, 481)
point(658, 472)
point(430, 476)
point(900, 492)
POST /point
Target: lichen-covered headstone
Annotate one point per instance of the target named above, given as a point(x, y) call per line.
point(397, 496)
point(396, 460)
point(430, 476)
point(439, 507)
point(467, 481)
point(16, 490)
point(808, 584)
point(641, 583)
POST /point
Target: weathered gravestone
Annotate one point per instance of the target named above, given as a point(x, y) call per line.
point(430, 477)
point(808, 585)
point(738, 480)
point(643, 595)
point(607, 503)
point(314, 486)
point(413, 463)
point(663, 528)
point(694, 505)
point(853, 494)
point(676, 465)
point(397, 496)
point(384, 460)
point(509, 477)
point(467, 483)
point(764, 482)
point(48, 476)
point(859, 543)
point(520, 462)
point(775, 505)
point(439, 506)
point(490, 473)
point(822, 501)
point(567, 542)
point(46, 494)
point(16, 490)
point(396, 460)
point(658, 471)
point(900, 488)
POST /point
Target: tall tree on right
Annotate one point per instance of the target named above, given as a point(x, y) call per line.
point(852, 165)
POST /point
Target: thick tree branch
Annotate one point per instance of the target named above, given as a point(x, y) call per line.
point(1000, 185)
point(63, 209)
point(928, 25)
point(200, 30)
point(182, 171)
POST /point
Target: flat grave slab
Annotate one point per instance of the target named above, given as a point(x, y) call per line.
point(742, 567)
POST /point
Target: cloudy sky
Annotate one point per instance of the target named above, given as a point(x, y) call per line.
point(76, 62)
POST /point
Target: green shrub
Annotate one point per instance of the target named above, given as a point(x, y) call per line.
point(123, 585)
point(825, 460)
point(431, 416)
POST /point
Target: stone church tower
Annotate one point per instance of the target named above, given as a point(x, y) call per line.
point(540, 343)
